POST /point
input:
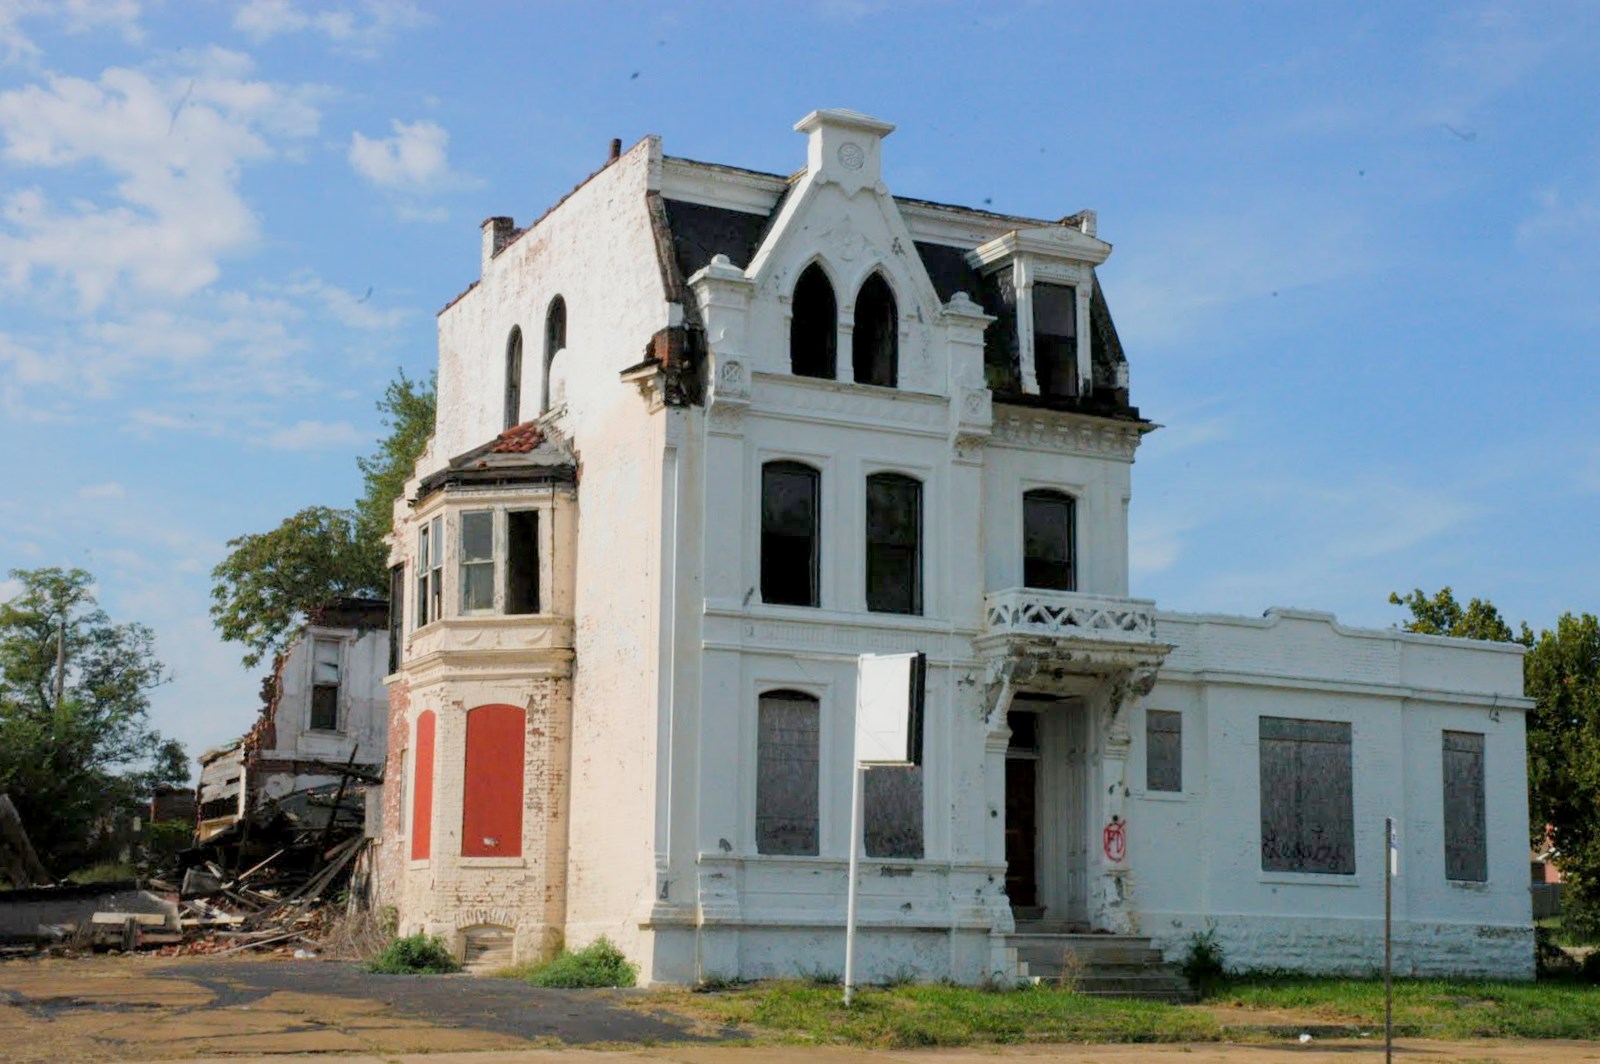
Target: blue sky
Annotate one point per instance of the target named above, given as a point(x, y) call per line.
point(1356, 257)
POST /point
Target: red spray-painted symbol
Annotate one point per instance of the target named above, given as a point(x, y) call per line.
point(1116, 841)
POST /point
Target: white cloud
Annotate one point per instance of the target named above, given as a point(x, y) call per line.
point(361, 31)
point(175, 144)
point(349, 309)
point(75, 16)
point(414, 159)
point(109, 490)
point(314, 436)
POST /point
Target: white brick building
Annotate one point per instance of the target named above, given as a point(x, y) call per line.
point(706, 435)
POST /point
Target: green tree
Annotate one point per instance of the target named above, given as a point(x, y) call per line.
point(1561, 673)
point(75, 741)
point(269, 581)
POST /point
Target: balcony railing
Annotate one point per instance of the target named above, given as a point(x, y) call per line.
point(1036, 612)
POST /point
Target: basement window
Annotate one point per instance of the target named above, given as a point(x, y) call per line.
point(325, 685)
point(1307, 806)
point(1055, 339)
point(1466, 852)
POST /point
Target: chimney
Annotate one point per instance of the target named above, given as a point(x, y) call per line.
point(497, 233)
point(616, 150)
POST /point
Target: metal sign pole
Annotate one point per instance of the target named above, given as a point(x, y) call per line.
point(855, 865)
point(1391, 855)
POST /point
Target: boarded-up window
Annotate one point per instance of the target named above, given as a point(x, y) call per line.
point(892, 811)
point(1055, 339)
point(813, 326)
point(324, 685)
point(522, 561)
point(789, 529)
point(1163, 751)
point(1307, 806)
point(894, 543)
point(1466, 852)
point(422, 793)
point(786, 773)
point(1048, 519)
point(477, 561)
point(491, 808)
point(875, 340)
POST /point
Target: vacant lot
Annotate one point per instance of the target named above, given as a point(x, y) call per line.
point(132, 1008)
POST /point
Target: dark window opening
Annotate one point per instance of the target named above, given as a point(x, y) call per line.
point(813, 326)
point(892, 811)
point(1163, 751)
point(894, 543)
point(397, 615)
point(1055, 339)
point(875, 344)
point(787, 737)
point(514, 378)
point(555, 339)
point(1307, 803)
point(1466, 851)
point(522, 561)
point(789, 527)
point(1048, 518)
point(324, 685)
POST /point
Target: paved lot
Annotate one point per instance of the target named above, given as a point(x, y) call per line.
point(130, 1008)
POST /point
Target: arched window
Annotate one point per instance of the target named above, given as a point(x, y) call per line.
point(491, 810)
point(555, 338)
point(894, 543)
point(813, 326)
point(422, 789)
point(514, 377)
point(787, 743)
point(1048, 534)
point(790, 526)
point(875, 345)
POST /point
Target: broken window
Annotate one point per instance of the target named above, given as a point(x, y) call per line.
point(894, 543)
point(892, 811)
point(491, 809)
point(1048, 520)
point(1055, 339)
point(1307, 806)
point(787, 732)
point(514, 378)
point(789, 527)
point(397, 615)
point(555, 339)
point(522, 561)
point(477, 561)
point(422, 793)
point(1466, 853)
point(1163, 750)
point(324, 685)
point(813, 326)
point(875, 342)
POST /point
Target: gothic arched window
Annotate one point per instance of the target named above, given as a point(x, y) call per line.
point(875, 344)
point(813, 326)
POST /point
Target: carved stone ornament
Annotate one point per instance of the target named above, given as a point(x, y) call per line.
point(845, 241)
point(732, 380)
point(1056, 433)
point(851, 157)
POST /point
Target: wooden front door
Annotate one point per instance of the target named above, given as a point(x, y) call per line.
point(1022, 831)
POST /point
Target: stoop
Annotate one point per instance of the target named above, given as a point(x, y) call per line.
point(1098, 965)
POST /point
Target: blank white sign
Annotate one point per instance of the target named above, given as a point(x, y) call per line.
point(889, 696)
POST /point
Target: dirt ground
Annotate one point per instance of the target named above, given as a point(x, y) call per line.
point(136, 1009)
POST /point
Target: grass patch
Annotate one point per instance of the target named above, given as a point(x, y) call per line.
point(599, 964)
point(800, 1011)
point(415, 955)
point(1429, 1008)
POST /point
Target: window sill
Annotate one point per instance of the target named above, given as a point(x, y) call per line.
point(414, 865)
point(1308, 879)
point(1163, 796)
point(1472, 886)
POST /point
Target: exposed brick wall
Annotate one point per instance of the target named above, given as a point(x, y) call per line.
point(390, 857)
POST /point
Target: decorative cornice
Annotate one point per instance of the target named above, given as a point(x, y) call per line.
point(1064, 433)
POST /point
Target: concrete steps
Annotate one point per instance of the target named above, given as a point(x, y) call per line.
point(1099, 965)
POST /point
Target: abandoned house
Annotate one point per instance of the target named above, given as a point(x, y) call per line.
point(705, 436)
point(324, 712)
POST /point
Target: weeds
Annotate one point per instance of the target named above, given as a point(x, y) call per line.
point(417, 954)
point(1203, 963)
point(599, 964)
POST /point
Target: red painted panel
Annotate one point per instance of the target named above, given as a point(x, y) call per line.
point(491, 817)
point(422, 792)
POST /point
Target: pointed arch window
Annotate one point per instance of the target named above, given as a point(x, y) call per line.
point(555, 339)
point(1048, 540)
point(514, 377)
point(875, 344)
point(813, 326)
point(790, 529)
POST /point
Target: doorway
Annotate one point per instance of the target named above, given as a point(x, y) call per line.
point(1022, 814)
